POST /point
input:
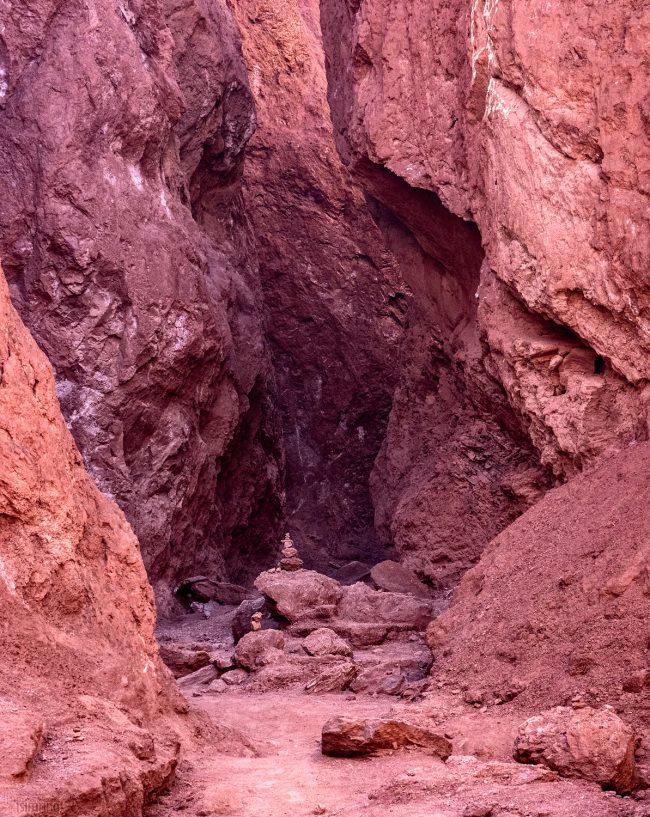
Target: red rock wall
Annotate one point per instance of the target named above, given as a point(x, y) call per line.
point(129, 254)
point(333, 296)
point(531, 120)
point(77, 635)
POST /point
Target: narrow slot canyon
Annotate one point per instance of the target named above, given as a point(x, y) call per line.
point(324, 408)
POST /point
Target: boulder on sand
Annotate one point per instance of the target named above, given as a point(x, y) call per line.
point(301, 594)
point(346, 737)
point(593, 744)
point(257, 649)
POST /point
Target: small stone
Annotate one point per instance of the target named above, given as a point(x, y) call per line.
point(217, 686)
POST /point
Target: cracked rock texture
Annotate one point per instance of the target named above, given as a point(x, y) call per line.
point(77, 639)
point(531, 120)
point(130, 256)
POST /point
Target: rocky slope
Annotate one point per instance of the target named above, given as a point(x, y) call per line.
point(129, 254)
point(530, 120)
point(332, 294)
point(553, 612)
point(83, 694)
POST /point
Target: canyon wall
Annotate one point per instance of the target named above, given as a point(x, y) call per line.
point(84, 699)
point(333, 297)
point(530, 120)
point(131, 258)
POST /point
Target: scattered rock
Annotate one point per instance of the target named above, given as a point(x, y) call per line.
point(183, 661)
point(333, 679)
point(395, 578)
point(361, 603)
point(346, 737)
point(222, 660)
point(202, 676)
point(380, 680)
point(242, 621)
point(594, 744)
point(202, 589)
point(303, 594)
point(217, 686)
point(325, 641)
point(257, 649)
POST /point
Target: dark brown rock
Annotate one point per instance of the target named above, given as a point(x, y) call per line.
point(348, 737)
point(352, 572)
point(395, 578)
point(331, 291)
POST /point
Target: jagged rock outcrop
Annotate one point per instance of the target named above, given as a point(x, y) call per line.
point(83, 694)
point(532, 121)
point(129, 255)
point(332, 293)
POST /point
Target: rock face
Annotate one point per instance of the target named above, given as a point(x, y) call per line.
point(588, 743)
point(531, 121)
point(79, 648)
point(332, 293)
point(130, 257)
point(556, 599)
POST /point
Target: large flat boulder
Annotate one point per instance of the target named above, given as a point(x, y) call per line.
point(300, 594)
point(593, 744)
point(348, 737)
point(362, 604)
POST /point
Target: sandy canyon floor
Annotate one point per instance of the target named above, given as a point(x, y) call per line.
point(268, 760)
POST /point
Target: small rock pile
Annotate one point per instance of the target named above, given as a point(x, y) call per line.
point(290, 559)
point(307, 630)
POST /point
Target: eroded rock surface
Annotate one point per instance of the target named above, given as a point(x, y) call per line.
point(344, 736)
point(80, 674)
point(129, 255)
point(551, 611)
point(530, 121)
